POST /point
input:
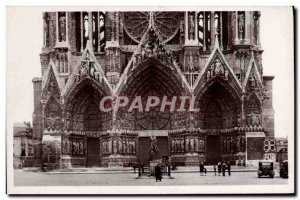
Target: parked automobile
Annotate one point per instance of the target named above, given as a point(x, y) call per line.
point(265, 168)
point(284, 173)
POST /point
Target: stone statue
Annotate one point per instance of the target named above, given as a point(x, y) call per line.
point(62, 27)
point(109, 146)
point(173, 146)
point(133, 147)
point(83, 71)
point(115, 147)
point(127, 146)
point(201, 145)
point(238, 143)
point(182, 145)
point(191, 27)
point(187, 145)
point(103, 147)
point(252, 81)
point(81, 147)
point(197, 144)
point(218, 67)
point(208, 75)
point(154, 150)
point(228, 144)
point(86, 26)
point(225, 145)
point(124, 147)
point(241, 25)
point(120, 147)
point(226, 74)
point(67, 147)
point(192, 145)
point(177, 145)
point(92, 71)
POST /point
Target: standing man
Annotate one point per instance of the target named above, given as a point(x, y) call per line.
point(229, 168)
point(223, 168)
point(219, 168)
point(215, 170)
point(201, 168)
point(158, 173)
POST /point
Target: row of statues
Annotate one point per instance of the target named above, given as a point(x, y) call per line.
point(119, 147)
point(253, 119)
point(181, 145)
point(153, 48)
point(73, 146)
point(53, 123)
point(233, 144)
point(89, 70)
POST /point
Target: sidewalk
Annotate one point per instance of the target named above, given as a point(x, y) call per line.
point(122, 170)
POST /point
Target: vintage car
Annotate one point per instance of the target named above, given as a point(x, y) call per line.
point(265, 168)
point(284, 173)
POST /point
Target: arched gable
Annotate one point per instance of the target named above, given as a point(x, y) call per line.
point(252, 76)
point(51, 86)
point(217, 66)
point(163, 56)
point(88, 68)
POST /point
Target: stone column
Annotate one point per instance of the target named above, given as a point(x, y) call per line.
point(81, 31)
point(90, 27)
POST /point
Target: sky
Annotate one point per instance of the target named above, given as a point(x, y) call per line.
point(25, 39)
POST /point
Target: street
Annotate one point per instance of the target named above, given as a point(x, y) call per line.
point(127, 178)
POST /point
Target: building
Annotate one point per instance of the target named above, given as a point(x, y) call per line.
point(23, 149)
point(213, 56)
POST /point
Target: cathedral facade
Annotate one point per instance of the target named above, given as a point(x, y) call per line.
point(214, 56)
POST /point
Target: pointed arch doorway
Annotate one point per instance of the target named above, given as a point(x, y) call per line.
point(219, 111)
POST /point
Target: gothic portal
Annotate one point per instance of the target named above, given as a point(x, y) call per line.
point(215, 56)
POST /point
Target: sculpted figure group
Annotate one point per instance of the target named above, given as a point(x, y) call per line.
point(192, 144)
point(119, 147)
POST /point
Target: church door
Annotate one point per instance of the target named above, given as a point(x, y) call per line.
point(213, 155)
point(93, 152)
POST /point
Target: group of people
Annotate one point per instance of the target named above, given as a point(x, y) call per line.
point(221, 168)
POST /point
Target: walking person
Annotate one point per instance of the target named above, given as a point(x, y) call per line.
point(201, 168)
point(219, 168)
point(215, 170)
point(223, 168)
point(158, 173)
point(229, 168)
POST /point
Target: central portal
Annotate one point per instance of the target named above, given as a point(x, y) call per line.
point(213, 150)
point(93, 152)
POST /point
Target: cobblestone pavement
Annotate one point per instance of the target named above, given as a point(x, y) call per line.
point(129, 178)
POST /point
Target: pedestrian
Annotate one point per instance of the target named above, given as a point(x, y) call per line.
point(229, 168)
point(201, 168)
point(142, 168)
point(158, 173)
point(205, 171)
point(223, 168)
point(215, 170)
point(219, 168)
